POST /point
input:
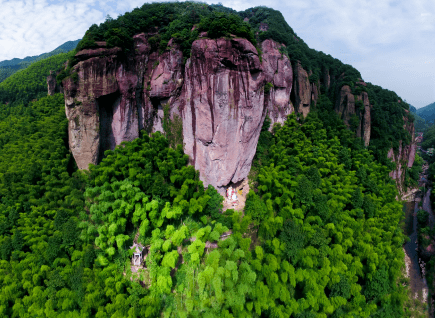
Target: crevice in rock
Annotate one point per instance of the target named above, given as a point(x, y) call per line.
point(192, 109)
point(228, 64)
point(106, 105)
point(293, 95)
point(210, 104)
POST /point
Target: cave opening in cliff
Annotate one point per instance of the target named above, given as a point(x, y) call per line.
point(155, 101)
point(106, 107)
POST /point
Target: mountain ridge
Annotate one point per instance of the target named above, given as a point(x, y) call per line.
point(9, 67)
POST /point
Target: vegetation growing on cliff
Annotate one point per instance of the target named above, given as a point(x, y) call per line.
point(310, 217)
point(320, 234)
point(426, 233)
point(184, 21)
point(173, 127)
point(181, 21)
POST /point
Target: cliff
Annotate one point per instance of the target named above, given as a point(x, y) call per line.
point(403, 157)
point(213, 102)
point(354, 109)
point(222, 95)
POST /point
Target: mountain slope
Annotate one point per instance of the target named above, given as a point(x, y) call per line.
point(9, 67)
point(320, 233)
point(427, 113)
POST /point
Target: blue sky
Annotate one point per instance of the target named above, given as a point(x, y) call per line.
point(392, 43)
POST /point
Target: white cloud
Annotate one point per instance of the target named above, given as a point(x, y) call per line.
point(34, 27)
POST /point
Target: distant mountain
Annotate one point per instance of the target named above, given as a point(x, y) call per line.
point(9, 67)
point(419, 123)
point(427, 113)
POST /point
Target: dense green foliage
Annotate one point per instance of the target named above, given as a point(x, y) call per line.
point(429, 138)
point(168, 20)
point(387, 121)
point(412, 175)
point(319, 236)
point(311, 213)
point(329, 206)
point(9, 67)
point(29, 83)
point(387, 112)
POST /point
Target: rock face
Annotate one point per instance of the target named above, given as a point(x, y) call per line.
point(403, 157)
point(278, 71)
point(355, 112)
point(302, 91)
point(101, 105)
point(224, 108)
point(219, 93)
point(52, 85)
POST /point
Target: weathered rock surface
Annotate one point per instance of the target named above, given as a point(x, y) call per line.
point(403, 157)
point(52, 85)
point(355, 112)
point(224, 108)
point(302, 91)
point(277, 71)
point(326, 79)
point(101, 106)
point(219, 94)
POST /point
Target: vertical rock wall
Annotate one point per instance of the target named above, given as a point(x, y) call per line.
point(404, 157)
point(222, 94)
point(355, 115)
point(302, 91)
point(219, 94)
point(278, 71)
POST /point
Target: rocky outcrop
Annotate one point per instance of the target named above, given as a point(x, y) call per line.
point(52, 85)
point(404, 157)
point(326, 79)
point(220, 94)
point(355, 112)
point(100, 105)
point(278, 72)
point(302, 91)
point(223, 108)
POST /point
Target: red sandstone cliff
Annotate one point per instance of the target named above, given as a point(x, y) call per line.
point(347, 106)
point(219, 93)
point(222, 93)
point(403, 157)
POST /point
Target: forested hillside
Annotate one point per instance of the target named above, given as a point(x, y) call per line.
point(9, 67)
point(320, 235)
point(427, 113)
point(420, 123)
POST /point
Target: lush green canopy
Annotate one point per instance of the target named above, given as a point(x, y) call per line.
point(319, 236)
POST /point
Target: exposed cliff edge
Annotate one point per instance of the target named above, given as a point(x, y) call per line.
point(355, 111)
point(404, 156)
point(222, 94)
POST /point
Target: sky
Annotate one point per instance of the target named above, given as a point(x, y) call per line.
point(391, 43)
